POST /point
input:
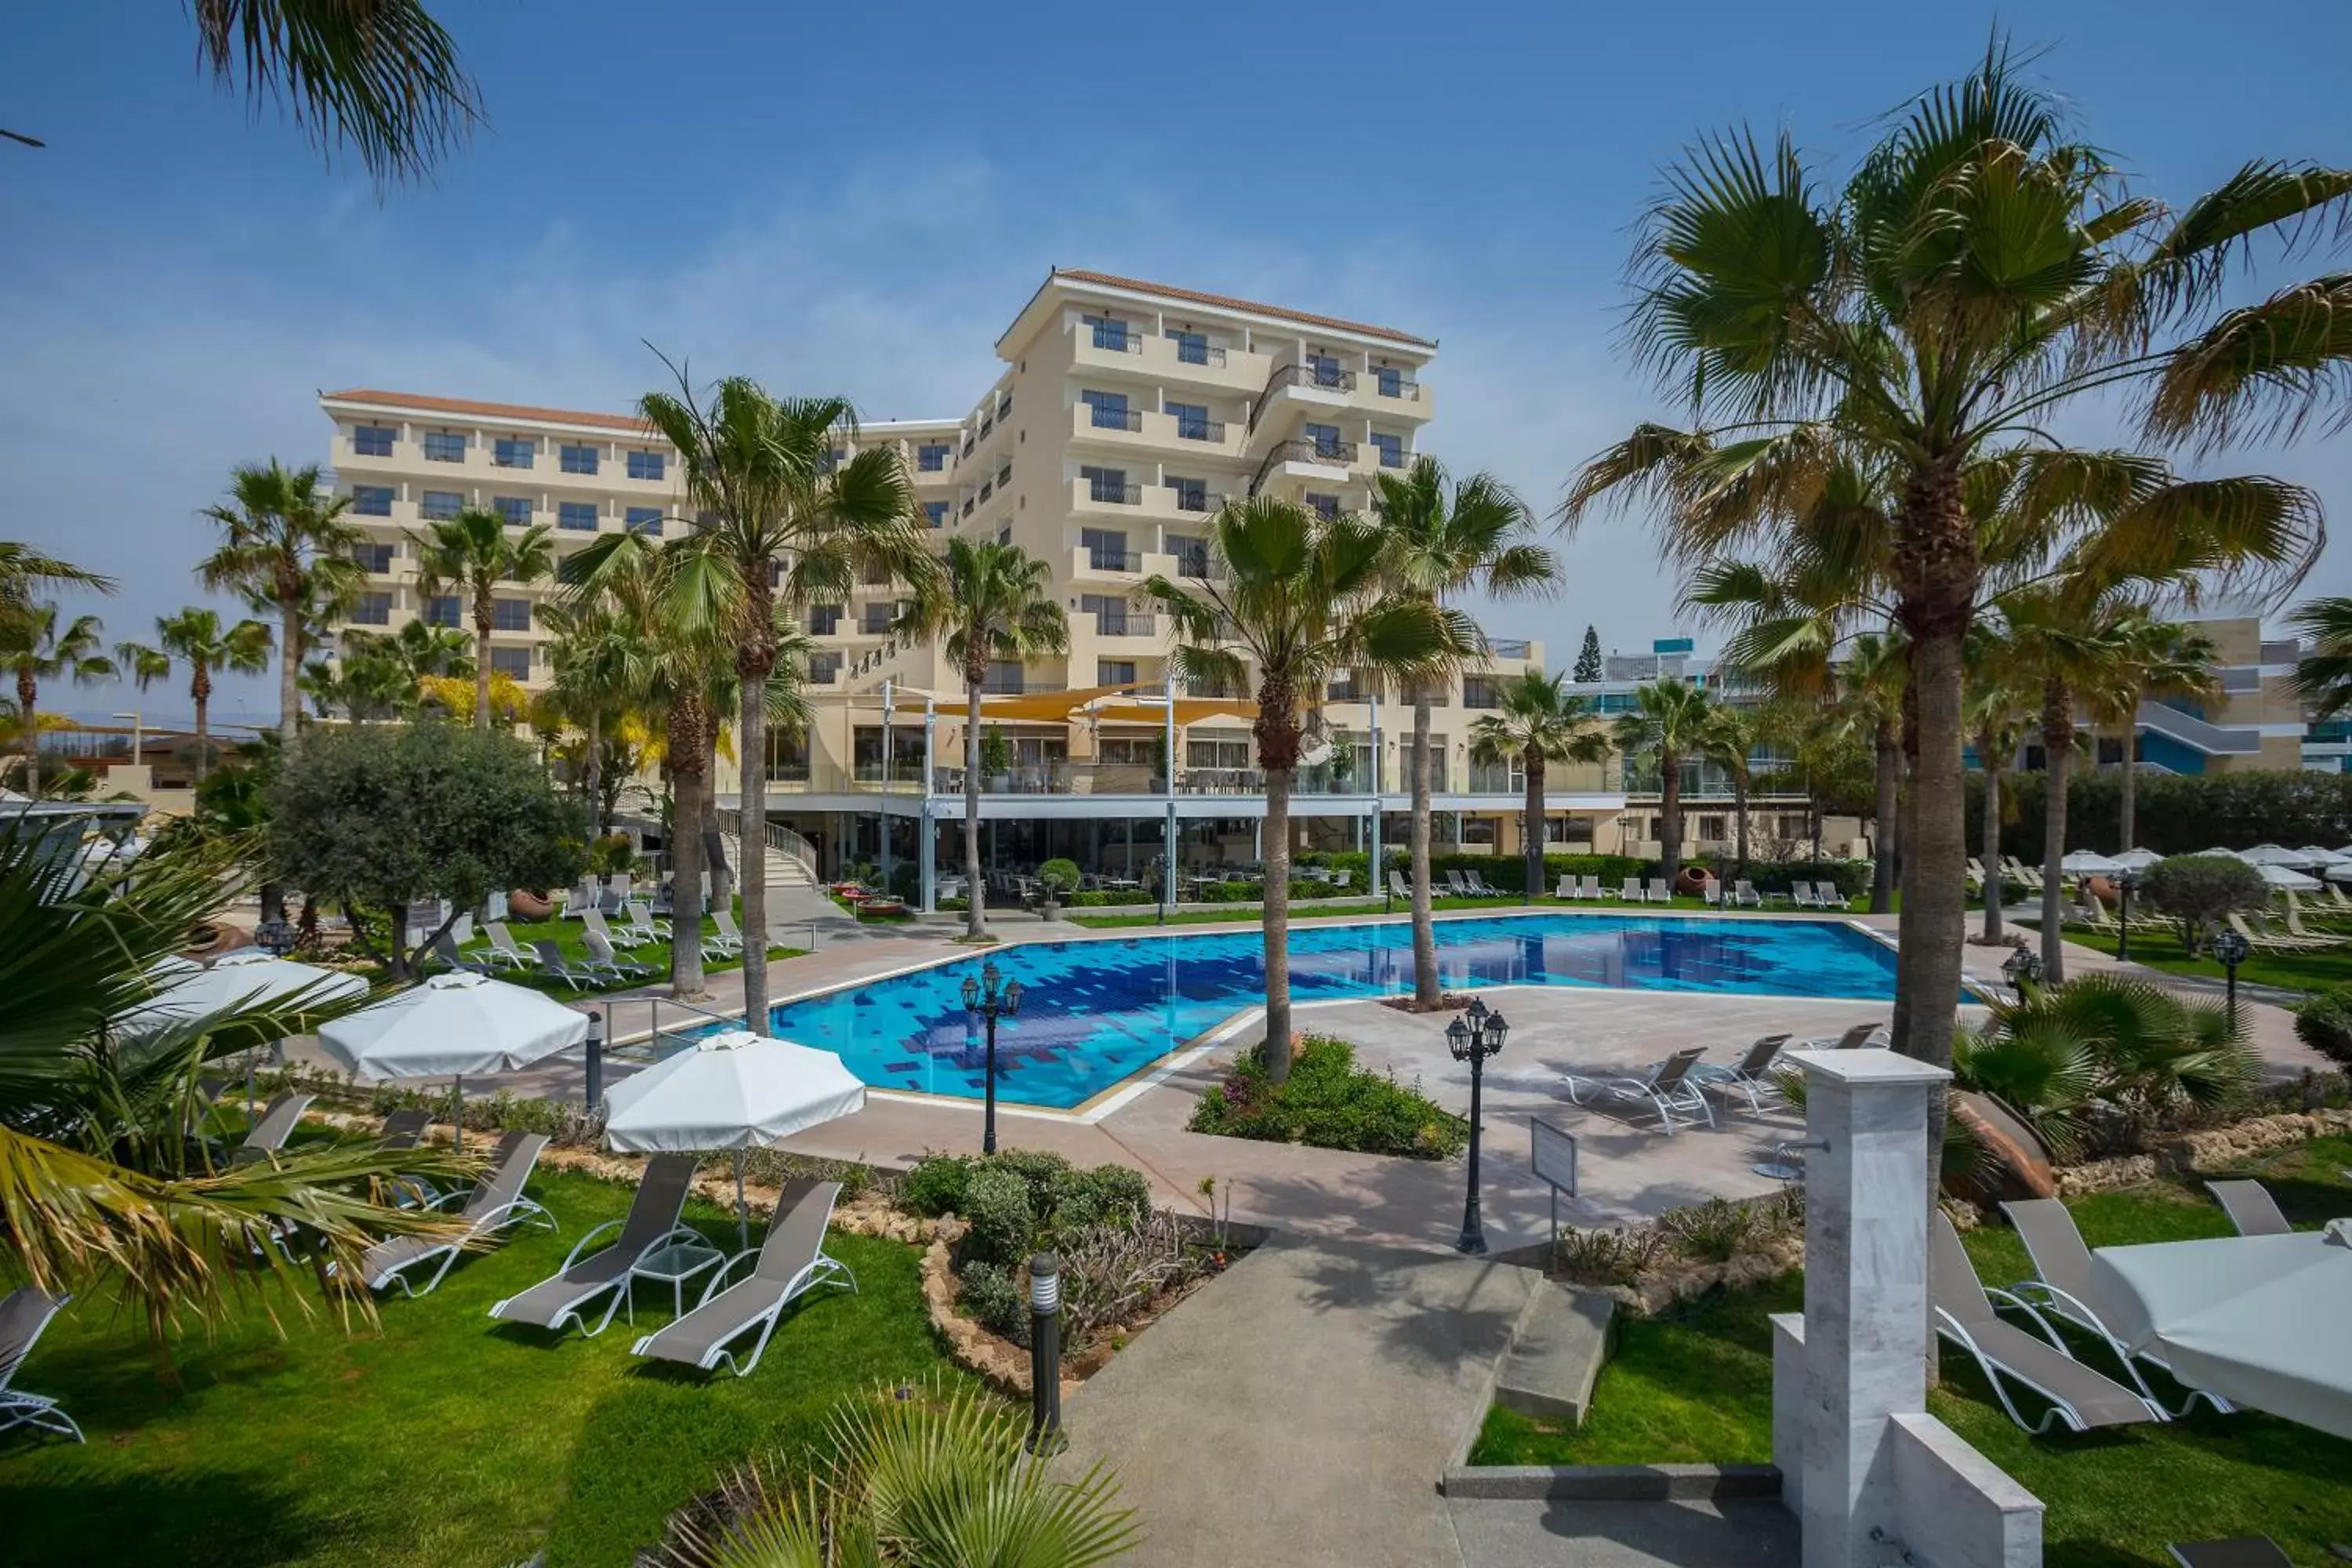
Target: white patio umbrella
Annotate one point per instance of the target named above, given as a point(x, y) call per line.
point(2088, 863)
point(2232, 854)
point(2284, 877)
point(2273, 855)
point(2137, 859)
point(733, 1089)
point(453, 1024)
point(234, 983)
point(2337, 870)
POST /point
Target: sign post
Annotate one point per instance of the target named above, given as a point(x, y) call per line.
point(1553, 1155)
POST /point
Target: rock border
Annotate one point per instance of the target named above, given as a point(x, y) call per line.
point(2190, 1153)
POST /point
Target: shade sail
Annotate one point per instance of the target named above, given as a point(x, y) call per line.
point(453, 1025)
point(2260, 1319)
point(733, 1089)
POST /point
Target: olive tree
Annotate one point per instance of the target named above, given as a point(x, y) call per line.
point(2198, 889)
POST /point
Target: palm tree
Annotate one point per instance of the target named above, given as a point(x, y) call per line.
point(288, 551)
point(1871, 684)
point(1538, 722)
point(1996, 709)
point(590, 661)
point(1300, 600)
point(990, 601)
point(196, 637)
point(1667, 724)
point(1439, 546)
point(23, 571)
point(473, 552)
point(1728, 740)
point(2159, 659)
point(36, 648)
point(1977, 272)
point(788, 523)
point(2324, 676)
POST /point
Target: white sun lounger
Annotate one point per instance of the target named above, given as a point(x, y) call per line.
point(1668, 1086)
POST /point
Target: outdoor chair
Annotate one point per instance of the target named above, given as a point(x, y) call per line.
point(403, 1129)
point(641, 920)
point(653, 1222)
point(729, 932)
point(1851, 1040)
point(594, 923)
point(1564, 889)
point(1668, 1086)
point(1458, 884)
point(552, 962)
point(497, 1202)
point(1710, 893)
point(2079, 1396)
point(602, 960)
point(2337, 898)
point(1398, 886)
point(1631, 891)
point(789, 1263)
point(1751, 1076)
point(1801, 895)
point(269, 1131)
point(1482, 889)
point(503, 949)
point(23, 1313)
point(2065, 1286)
point(2239, 1552)
point(1591, 889)
point(1659, 892)
point(2262, 942)
point(581, 900)
point(444, 948)
point(2250, 1207)
point(616, 893)
point(1340, 878)
point(1744, 895)
point(2294, 925)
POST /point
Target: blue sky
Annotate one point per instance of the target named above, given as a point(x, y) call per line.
point(838, 200)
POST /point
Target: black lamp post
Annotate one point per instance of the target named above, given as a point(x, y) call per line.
point(1472, 1038)
point(981, 998)
point(2231, 950)
point(2022, 968)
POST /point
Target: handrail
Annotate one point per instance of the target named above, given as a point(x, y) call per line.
point(1343, 453)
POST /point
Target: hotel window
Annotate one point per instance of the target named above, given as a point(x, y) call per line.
point(1478, 691)
point(1110, 411)
point(1390, 379)
point(1323, 370)
point(1391, 448)
point(1191, 495)
point(1005, 534)
point(1114, 672)
point(510, 614)
point(1478, 829)
point(440, 504)
point(577, 515)
point(1193, 423)
point(1003, 678)
point(931, 457)
point(1192, 348)
point(1004, 406)
point(1109, 611)
point(1712, 828)
point(824, 620)
point(512, 662)
point(373, 610)
point(372, 440)
point(578, 459)
point(647, 519)
point(512, 452)
point(1106, 485)
point(372, 501)
point(1191, 555)
point(1004, 476)
point(515, 509)
point(647, 464)
point(445, 447)
point(874, 620)
point(1106, 550)
point(374, 557)
point(1111, 333)
point(823, 668)
point(937, 511)
point(1325, 506)
point(1326, 438)
point(441, 610)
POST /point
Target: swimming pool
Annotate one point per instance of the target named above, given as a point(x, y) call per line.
point(1092, 1013)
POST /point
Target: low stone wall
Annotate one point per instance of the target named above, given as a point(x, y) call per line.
point(1671, 1284)
point(2190, 1153)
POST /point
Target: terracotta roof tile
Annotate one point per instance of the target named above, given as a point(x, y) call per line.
point(419, 401)
point(1226, 303)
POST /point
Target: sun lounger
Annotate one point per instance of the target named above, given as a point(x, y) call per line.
point(594, 923)
point(496, 1203)
point(732, 935)
point(403, 1130)
point(2078, 1397)
point(1591, 889)
point(1668, 1086)
point(2294, 925)
point(1482, 889)
point(2239, 1552)
point(1564, 889)
point(652, 1224)
point(1801, 895)
point(552, 962)
point(446, 949)
point(23, 1313)
point(269, 1133)
point(2339, 904)
point(790, 1262)
point(1751, 1076)
point(2261, 941)
point(1745, 896)
point(2065, 1286)
point(503, 950)
point(1659, 892)
point(603, 961)
point(1398, 886)
point(2250, 1207)
point(1710, 893)
point(1852, 1039)
point(1457, 884)
point(641, 920)
point(1630, 892)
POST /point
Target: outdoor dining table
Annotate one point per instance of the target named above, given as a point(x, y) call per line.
point(2263, 1321)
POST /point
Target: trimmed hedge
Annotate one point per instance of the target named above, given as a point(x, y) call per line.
point(2176, 814)
point(1329, 1103)
point(1508, 872)
point(2324, 1022)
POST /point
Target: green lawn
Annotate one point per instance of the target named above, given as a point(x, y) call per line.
point(2287, 971)
point(566, 935)
point(1696, 1387)
point(441, 1439)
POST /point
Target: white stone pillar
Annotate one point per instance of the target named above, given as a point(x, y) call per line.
point(1865, 1292)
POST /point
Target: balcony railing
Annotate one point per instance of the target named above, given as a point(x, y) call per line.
point(1329, 377)
point(1128, 623)
point(1197, 566)
point(1107, 560)
point(1112, 493)
point(995, 685)
point(1115, 418)
point(1332, 453)
point(1199, 429)
point(1199, 354)
point(1403, 388)
point(1120, 339)
point(1198, 500)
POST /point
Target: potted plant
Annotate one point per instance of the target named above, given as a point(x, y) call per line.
point(1058, 878)
point(996, 760)
point(1343, 757)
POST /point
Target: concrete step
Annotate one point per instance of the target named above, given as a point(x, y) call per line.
point(1563, 1338)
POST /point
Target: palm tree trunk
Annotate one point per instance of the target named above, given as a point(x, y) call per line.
point(1993, 888)
point(200, 692)
point(1532, 832)
point(290, 668)
point(751, 820)
point(1670, 816)
point(724, 885)
point(1426, 992)
point(29, 693)
point(975, 894)
point(1278, 925)
point(1882, 873)
point(592, 768)
point(2128, 798)
point(2057, 742)
point(483, 613)
point(1934, 927)
point(689, 786)
point(1739, 819)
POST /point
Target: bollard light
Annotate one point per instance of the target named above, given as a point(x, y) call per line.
point(1045, 1353)
point(595, 1059)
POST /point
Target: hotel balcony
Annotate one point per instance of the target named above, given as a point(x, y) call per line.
point(1133, 626)
point(1137, 429)
point(1317, 462)
point(1209, 367)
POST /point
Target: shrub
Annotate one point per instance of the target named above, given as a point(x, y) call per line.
point(1617, 1256)
point(2198, 889)
point(1714, 1231)
point(996, 1203)
point(1107, 1194)
point(1060, 875)
point(936, 1184)
point(2324, 1022)
point(996, 1300)
point(1329, 1103)
point(1111, 1269)
point(2179, 813)
point(1041, 1171)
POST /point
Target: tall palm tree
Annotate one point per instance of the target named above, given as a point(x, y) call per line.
point(1538, 722)
point(474, 552)
point(1667, 724)
point(36, 647)
point(1977, 271)
point(196, 637)
point(1871, 688)
point(286, 550)
point(1998, 703)
point(1439, 546)
point(1728, 740)
point(2324, 676)
point(589, 659)
point(2159, 659)
point(1300, 599)
point(25, 571)
point(990, 601)
point(787, 524)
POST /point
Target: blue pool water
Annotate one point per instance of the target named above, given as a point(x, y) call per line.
point(1092, 1013)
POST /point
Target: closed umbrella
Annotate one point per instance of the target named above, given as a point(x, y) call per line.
point(734, 1090)
point(451, 1025)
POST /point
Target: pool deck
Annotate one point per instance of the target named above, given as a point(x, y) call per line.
point(1629, 1169)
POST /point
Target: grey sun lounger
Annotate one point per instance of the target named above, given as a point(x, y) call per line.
point(496, 1204)
point(1751, 1076)
point(602, 960)
point(1669, 1085)
point(594, 924)
point(2081, 1398)
point(652, 1224)
point(1398, 886)
point(2239, 1552)
point(2064, 1286)
point(403, 1129)
point(2250, 1207)
point(22, 1315)
point(790, 1262)
point(1457, 884)
point(551, 962)
point(444, 948)
point(267, 1135)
